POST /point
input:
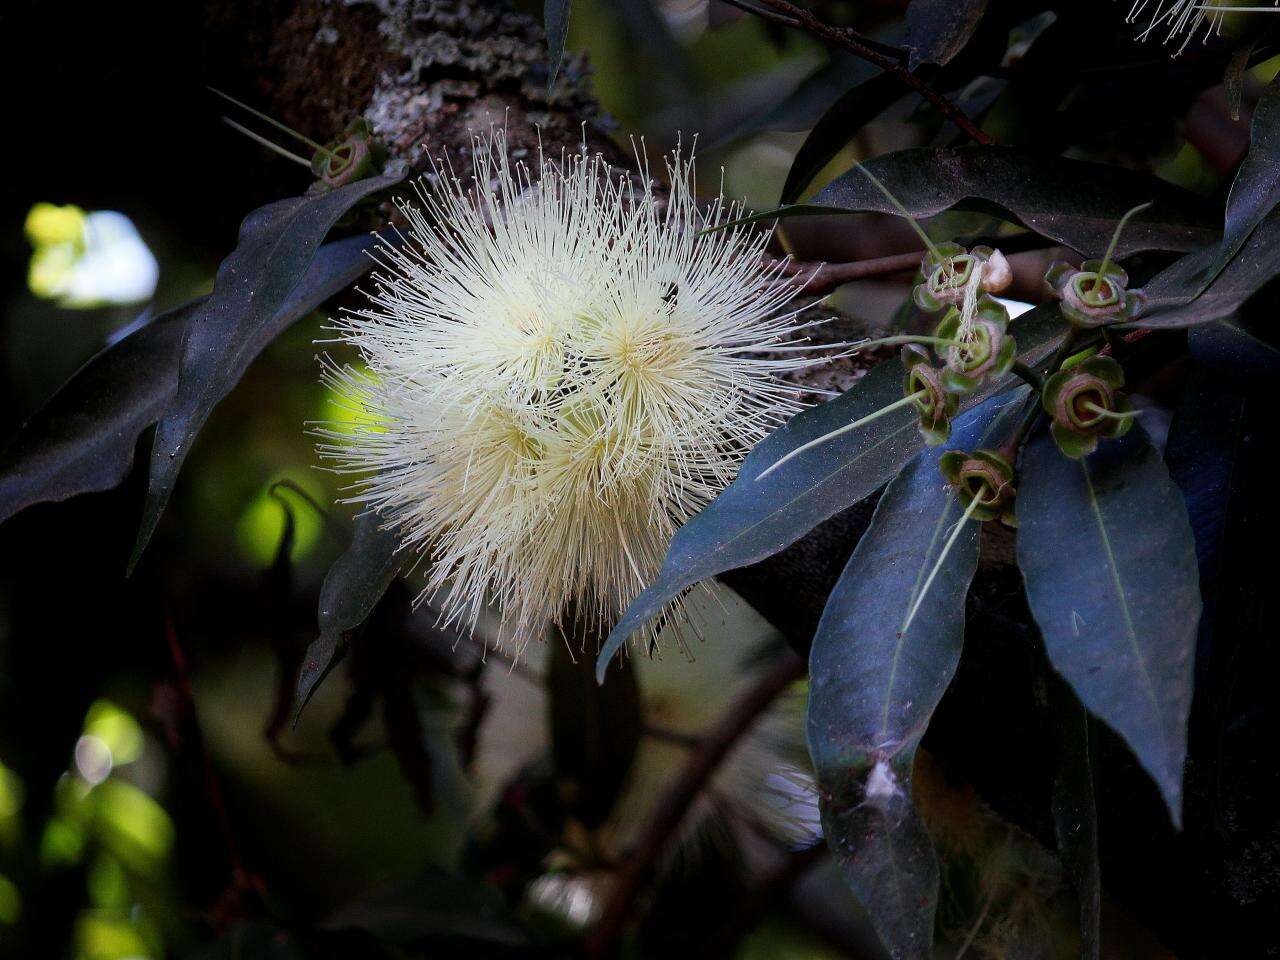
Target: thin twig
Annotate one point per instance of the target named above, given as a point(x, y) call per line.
point(241, 878)
point(701, 765)
point(819, 277)
point(788, 14)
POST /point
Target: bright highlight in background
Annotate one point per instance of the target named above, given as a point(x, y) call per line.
point(87, 260)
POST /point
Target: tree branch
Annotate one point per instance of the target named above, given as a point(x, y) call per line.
point(671, 810)
point(788, 14)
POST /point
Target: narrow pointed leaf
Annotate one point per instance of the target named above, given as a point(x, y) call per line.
point(351, 589)
point(1070, 201)
point(837, 128)
point(873, 687)
point(753, 519)
point(258, 292)
point(812, 97)
point(1257, 184)
point(555, 20)
point(938, 29)
point(1109, 561)
point(83, 438)
point(1172, 299)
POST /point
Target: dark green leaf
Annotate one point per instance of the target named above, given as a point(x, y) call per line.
point(753, 519)
point(873, 687)
point(938, 29)
point(1075, 815)
point(1171, 294)
point(555, 20)
point(1110, 567)
point(1256, 188)
point(595, 728)
point(1227, 345)
point(1070, 201)
point(837, 128)
point(351, 589)
point(432, 907)
point(83, 438)
point(812, 97)
point(260, 289)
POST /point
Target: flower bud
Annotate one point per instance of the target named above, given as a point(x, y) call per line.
point(984, 477)
point(936, 407)
point(1080, 399)
point(354, 156)
point(950, 271)
point(986, 351)
point(1092, 296)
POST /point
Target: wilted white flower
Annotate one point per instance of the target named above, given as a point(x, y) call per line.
point(561, 369)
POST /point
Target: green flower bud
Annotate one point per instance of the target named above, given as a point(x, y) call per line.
point(354, 156)
point(983, 480)
point(987, 351)
point(949, 271)
point(1085, 404)
point(1092, 297)
point(935, 405)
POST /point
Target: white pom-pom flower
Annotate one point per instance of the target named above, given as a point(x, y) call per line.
point(559, 368)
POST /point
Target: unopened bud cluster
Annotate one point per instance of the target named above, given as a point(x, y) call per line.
point(971, 341)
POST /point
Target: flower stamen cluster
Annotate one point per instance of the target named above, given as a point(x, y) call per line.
point(562, 367)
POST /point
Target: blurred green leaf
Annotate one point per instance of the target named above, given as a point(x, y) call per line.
point(1109, 560)
point(351, 589)
point(261, 288)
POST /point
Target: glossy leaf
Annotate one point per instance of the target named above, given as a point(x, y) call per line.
point(1073, 202)
point(812, 97)
point(351, 589)
point(753, 519)
point(259, 291)
point(1256, 188)
point(1238, 351)
point(1171, 294)
point(1109, 561)
point(873, 687)
point(83, 438)
point(555, 20)
point(937, 30)
point(837, 128)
